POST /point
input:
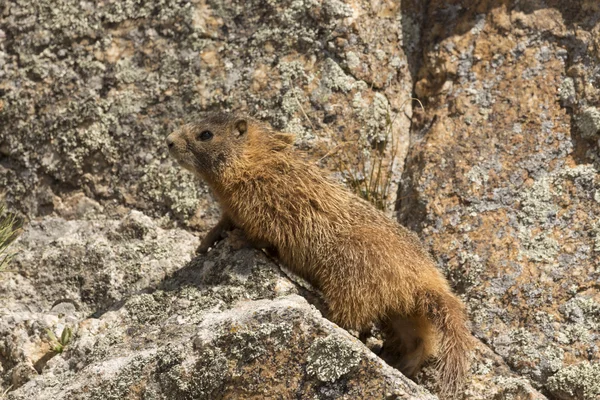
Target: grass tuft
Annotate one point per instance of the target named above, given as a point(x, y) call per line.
point(368, 164)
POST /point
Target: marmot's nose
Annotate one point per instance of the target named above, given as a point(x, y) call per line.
point(170, 142)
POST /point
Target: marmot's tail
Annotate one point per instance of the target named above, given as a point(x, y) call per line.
point(447, 314)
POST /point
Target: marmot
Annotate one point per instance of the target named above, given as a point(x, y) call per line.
point(368, 267)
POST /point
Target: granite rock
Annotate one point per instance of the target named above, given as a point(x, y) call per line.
point(502, 182)
point(89, 91)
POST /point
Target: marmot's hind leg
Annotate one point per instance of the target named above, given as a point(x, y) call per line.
point(410, 341)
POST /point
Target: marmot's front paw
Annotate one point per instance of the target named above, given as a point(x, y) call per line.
point(214, 235)
point(205, 245)
point(203, 248)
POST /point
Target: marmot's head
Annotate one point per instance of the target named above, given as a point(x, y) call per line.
point(217, 142)
point(208, 146)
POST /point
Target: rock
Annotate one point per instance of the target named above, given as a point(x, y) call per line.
point(64, 271)
point(330, 358)
point(221, 326)
point(502, 186)
point(501, 182)
point(92, 264)
point(567, 93)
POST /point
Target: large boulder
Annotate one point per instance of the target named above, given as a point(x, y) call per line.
point(89, 90)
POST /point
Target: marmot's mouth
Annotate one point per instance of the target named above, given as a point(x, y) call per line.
point(177, 159)
point(175, 154)
point(186, 164)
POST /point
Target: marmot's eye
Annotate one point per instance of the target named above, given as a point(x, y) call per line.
point(204, 136)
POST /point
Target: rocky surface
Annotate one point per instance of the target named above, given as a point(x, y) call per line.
point(225, 325)
point(500, 180)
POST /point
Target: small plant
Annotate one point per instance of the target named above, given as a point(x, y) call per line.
point(58, 345)
point(8, 233)
point(371, 175)
point(368, 164)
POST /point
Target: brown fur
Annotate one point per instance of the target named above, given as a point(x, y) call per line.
point(368, 267)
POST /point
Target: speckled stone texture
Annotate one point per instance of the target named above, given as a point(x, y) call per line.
point(502, 179)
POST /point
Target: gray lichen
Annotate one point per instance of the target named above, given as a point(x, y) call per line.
point(523, 349)
point(576, 382)
point(247, 345)
point(330, 358)
point(581, 310)
point(334, 78)
point(588, 122)
point(168, 184)
point(538, 247)
point(200, 380)
point(129, 371)
point(147, 307)
point(567, 92)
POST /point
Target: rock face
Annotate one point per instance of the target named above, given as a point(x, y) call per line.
point(90, 90)
point(224, 325)
point(500, 180)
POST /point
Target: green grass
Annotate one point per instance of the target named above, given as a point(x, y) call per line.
point(8, 232)
point(58, 345)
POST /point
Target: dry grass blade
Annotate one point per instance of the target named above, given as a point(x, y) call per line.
point(5, 393)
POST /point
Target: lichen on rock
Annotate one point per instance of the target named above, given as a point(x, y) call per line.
point(500, 180)
point(330, 358)
point(579, 381)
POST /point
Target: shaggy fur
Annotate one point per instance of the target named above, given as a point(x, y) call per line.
point(368, 267)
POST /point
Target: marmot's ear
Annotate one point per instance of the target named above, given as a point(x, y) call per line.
point(241, 127)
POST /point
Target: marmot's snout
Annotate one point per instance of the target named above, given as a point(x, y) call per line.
point(170, 142)
point(176, 143)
